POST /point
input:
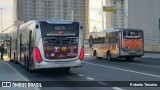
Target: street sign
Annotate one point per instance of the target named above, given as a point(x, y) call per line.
point(109, 9)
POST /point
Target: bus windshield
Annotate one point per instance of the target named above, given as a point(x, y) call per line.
point(132, 34)
point(57, 30)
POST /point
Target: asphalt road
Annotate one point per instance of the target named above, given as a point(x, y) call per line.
point(141, 69)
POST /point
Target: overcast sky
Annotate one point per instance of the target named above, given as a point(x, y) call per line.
point(95, 13)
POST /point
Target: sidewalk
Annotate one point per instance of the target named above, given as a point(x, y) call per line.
point(8, 73)
point(151, 55)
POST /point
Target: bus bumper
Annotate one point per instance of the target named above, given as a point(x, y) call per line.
point(58, 64)
point(132, 54)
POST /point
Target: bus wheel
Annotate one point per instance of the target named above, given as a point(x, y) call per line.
point(67, 69)
point(27, 65)
point(109, 56)
point(129, 58)
point(25, 62)
point(14, 58)
point(98, 57)
point(94, 53)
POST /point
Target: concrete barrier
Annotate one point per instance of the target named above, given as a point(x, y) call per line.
point(152, 47)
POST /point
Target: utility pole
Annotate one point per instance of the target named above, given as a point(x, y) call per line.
point(1, 20)
point(1, 25)
point(102, 17)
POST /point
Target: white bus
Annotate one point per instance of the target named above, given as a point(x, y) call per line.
point(48, 44)
point(117, 43)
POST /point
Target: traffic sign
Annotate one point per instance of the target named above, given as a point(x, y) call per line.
point(109, 9)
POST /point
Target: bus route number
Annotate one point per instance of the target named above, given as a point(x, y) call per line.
point(60, 28)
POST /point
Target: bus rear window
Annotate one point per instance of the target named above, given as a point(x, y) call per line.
point(132, 34)
point(56, 30)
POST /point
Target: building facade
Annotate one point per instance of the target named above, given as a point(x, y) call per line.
point(78, 10)
point(116, 19)
point(140, 14)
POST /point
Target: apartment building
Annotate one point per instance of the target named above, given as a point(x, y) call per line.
point(140, 14)
point(78, 10)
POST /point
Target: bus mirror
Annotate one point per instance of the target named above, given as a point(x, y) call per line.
point(81, 27)
point(37, 26)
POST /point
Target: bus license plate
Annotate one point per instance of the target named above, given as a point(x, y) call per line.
point(61, 62)
point(132, 53)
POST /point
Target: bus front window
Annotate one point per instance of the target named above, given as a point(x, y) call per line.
point(132, 34)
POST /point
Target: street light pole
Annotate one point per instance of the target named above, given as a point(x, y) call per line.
point(102, 17)
point(1, 24)
point(1, 20)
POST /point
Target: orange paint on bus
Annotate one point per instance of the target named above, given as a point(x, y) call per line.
point(132, 44)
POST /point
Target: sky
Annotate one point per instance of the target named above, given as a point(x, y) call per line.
point(95, 14)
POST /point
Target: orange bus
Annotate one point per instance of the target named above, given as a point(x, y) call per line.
point(117, 43)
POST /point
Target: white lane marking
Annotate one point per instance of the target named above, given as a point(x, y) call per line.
point(145, 65)
point(89, 78)
point(117, 88)
point(81, 75)
point(125, 70)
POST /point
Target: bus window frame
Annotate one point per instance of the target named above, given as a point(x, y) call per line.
point(132, 37)
point(99, 39)
point(110, 37)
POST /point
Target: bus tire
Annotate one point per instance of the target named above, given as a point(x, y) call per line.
point(129, 58)
point(94, 53)
point(109, 56)
point(27, 63)
point(27, 66)
point(14, 59)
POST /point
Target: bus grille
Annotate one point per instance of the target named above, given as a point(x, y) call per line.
point(60, 41)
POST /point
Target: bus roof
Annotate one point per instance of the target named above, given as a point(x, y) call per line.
point(59, 21)
point(53, 21)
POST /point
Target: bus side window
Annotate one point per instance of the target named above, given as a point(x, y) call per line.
point(91, 40)
point(112, 37)
point(107, 35)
